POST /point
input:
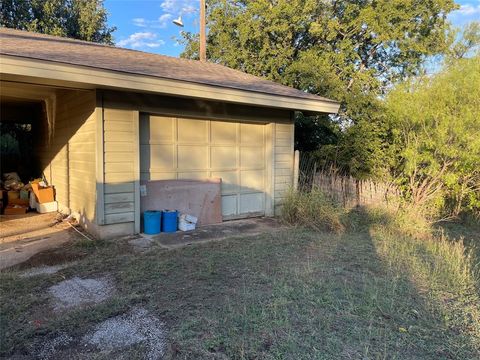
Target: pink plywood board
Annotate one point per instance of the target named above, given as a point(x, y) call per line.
point(200, 198)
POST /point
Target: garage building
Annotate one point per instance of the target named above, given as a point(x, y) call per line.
point(113, 117)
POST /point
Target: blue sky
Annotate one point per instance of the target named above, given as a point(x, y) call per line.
point(147, 24)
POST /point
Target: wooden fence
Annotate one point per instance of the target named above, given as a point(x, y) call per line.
point(353, 192)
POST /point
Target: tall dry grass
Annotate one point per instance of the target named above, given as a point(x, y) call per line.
point(405, 234)
point(443, 268)
point(312, 210)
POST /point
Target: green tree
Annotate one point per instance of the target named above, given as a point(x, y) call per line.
point(79, 19)
point(347, 50)
point(314, 131)
point(353, 51)
point(467, 42)
point(436, 126)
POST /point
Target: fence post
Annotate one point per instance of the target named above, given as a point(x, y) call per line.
point(314, 174)
point(296, 168)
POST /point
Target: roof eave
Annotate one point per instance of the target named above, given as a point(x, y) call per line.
point(99, 78)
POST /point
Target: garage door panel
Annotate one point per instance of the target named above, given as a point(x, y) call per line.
point(154, 129)
point(223, 132)
point(157, 157)
point(160, 175)
point(252, 157)
point(252, 180)
point(252, 203)
point(191, 130)
point(229, 205)
point(192, 157)
point(193, 175)
point(229, 180)
point(252, 134)
point(181, 148)
point(223, 157)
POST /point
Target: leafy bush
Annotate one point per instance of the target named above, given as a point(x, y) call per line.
point(435, 126)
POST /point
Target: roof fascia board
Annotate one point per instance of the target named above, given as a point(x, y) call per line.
point(14, 65)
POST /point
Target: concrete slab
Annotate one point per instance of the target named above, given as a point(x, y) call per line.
point(13, 227)
point(22, 236)
point(215, 232)
point(34, 242)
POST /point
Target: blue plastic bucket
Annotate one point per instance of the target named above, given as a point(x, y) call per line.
point(169, 220)
point(151, 222)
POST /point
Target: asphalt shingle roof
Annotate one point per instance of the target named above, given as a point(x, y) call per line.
point(75, 52)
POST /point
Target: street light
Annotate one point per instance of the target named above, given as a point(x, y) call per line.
point(203, 37)
point(178, 21)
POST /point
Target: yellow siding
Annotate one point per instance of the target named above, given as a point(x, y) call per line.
point(204, 143)
point(68, 158)
point(119, 168)
point(283, 173)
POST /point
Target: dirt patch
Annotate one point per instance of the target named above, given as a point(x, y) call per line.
point(77, 292)
point(138, 327)
point(53, 257)
point(141, 243)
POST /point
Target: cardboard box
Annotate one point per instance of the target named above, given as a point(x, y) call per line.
point(15, 210)
point(185, 225)
point(43, 194)
point(12, 195)
point(47, 207)
point(24, 194)
point(18, 202)
point(189, 218)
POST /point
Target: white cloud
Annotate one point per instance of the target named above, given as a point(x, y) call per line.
point(161, 22)
point(138, 40)
point(139, 22)
point(164, 19)
point(171, 9)
point(179, 6)
point(469, 9)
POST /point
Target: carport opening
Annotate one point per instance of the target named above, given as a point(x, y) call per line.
point(18, 121)
point(23, 128)
point(47, 161)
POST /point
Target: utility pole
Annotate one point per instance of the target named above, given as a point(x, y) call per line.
point(203, 35)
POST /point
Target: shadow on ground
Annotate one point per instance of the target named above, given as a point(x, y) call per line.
point(291, 293)
point(468, 231)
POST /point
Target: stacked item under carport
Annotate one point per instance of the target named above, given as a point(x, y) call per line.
point(17, 198)
point(14, 194)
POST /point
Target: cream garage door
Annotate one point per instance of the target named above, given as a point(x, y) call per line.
point(181, 148)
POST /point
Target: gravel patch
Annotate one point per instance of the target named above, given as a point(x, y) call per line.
point(76, 292)
point(51, 347)
point(44, 270)
point(132, 328)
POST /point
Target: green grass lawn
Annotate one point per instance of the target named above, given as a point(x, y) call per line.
point(371, 292)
